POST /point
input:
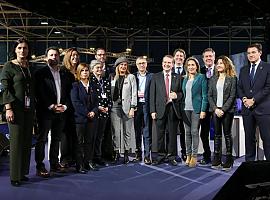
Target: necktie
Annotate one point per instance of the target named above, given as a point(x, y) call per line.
point(167, 82)
point(252, 73)
point(178, 70)
point(209, 72)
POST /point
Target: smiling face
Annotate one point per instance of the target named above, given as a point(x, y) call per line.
point(167, 64)
point(84, 73)
point(208, 58)
point(141, 65)
point(192, 67)
point(74, 58)
point(122, 67)
point(179, 58)
point(253, 54)
point(97, 70)
point(220, 66)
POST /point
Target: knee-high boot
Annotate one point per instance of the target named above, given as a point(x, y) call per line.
point(217, 151)
point(228, 164)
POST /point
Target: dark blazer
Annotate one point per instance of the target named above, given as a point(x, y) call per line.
point(259, 90)
point(158, 97)
point(83, 102)
point(229, 93)
point(46, 94)
point(203, 70)
point(147, 88)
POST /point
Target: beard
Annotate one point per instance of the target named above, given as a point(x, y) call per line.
point(53, 62)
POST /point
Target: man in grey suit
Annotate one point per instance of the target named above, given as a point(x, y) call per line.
point(254, 90)
point(165, 95)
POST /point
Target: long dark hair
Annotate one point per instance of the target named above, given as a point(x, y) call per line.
point(17, 42)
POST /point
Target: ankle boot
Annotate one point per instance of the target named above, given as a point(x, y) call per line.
point(138, 156)
point(216, 163)
point(126, 159)
point(228, 164)
point(116, 156)
point(188, 160)
point(193, 161)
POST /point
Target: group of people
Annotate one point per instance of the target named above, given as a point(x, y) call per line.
point(93, 109)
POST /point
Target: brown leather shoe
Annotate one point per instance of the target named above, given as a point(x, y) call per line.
point(43, 173)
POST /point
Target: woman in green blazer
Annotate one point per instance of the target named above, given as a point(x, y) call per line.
point(18, 98)
point(195, 104)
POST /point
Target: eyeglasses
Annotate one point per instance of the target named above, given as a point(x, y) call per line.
point(101, 54)
point(141, 63)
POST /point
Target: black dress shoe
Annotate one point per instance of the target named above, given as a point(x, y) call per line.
point(173, 162)
point(156, 162)
point(15, 183)
point(57, 168)
point(92, 167)
point(101, 162)
point(184, 157)
point(81, 170)
point(147, 161)
point(43, 173)
point(24, 178)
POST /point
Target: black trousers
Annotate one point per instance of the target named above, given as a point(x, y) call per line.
point(101, 126)
point(205, 128)
point(86, 137)
point(169, 122)
point(56, 125)
point(251, 122)
point(143, 126)
point(69, 140)
point(224, 124)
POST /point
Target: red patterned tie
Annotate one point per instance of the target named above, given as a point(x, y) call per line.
point(167, 83)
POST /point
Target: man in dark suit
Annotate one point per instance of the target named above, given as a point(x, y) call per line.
point(143, 125)
point(254, 90)
point(208, 69)
point(179, 56)
point(51, 96)
point(165, 95)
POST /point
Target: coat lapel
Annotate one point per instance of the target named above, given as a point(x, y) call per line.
point(258, 73)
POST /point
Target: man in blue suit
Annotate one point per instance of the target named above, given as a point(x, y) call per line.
point(254, 90)
point(143, 119)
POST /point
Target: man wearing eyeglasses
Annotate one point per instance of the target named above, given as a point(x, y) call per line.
point(143, 125)
point(102, 57)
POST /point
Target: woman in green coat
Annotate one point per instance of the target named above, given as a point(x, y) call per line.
point(18, 100)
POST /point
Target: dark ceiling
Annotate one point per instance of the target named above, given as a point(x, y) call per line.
point(170, 14)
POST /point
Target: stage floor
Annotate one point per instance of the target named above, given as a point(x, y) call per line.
point(132, 181)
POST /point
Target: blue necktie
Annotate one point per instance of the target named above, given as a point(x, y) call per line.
point(252, 73)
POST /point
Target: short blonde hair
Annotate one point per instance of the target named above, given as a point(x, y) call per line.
point(80, 67)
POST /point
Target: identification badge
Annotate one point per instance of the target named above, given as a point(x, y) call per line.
point(27, 102)
point(103, 95)
point(141, 94)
